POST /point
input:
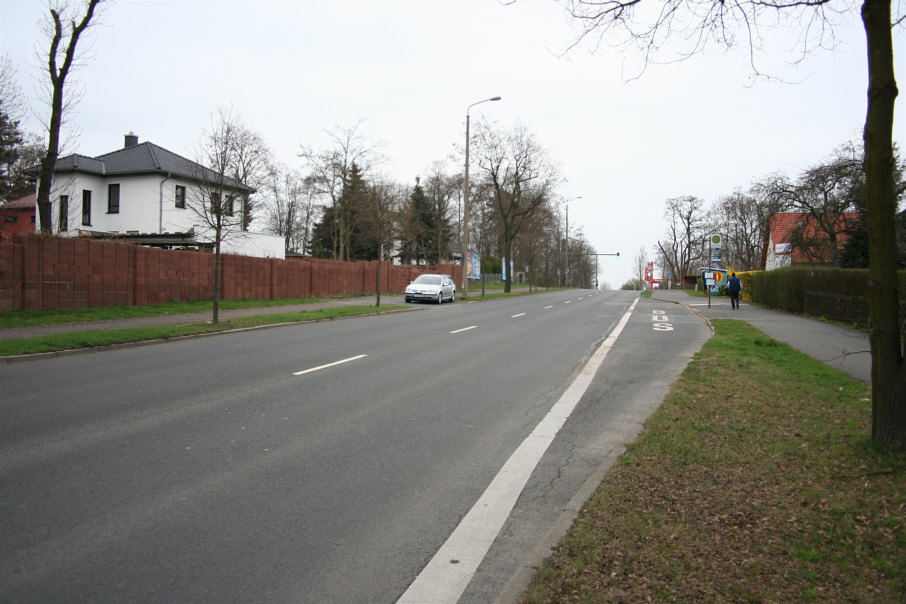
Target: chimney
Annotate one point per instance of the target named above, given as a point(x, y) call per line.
point(131, 140)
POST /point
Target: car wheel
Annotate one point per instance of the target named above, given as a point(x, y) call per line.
point(408, 300)
point(452, 297)
point(440, 297)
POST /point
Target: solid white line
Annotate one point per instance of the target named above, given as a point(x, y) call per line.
point(464, 329)
point(448, 573)
point(330, 364)
point(522, 314)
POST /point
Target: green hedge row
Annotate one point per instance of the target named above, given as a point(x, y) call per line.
point(785, 288)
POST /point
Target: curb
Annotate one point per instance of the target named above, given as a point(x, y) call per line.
point(691, 311)
point(39, 356)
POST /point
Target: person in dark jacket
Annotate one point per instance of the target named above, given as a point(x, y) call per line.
point(735, 286)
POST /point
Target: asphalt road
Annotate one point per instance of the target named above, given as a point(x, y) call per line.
point(323, 462)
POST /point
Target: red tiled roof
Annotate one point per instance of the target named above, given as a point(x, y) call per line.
point(784, 224)
point(27, 202)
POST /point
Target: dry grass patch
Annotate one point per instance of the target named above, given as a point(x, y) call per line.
point(754, 482)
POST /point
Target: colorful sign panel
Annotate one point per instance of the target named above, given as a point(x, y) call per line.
point(714, 279)
point(473, 265)
point(503, 268)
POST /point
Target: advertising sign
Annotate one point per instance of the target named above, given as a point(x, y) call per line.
point(473, 265)
point(713, 279)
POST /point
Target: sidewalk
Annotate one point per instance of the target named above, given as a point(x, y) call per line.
point(845, 349)
point(187, 318)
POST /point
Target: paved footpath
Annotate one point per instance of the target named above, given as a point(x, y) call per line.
point(843, 348)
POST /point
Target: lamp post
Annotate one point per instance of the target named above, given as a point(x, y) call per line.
point(465, 208)
point(568, 279)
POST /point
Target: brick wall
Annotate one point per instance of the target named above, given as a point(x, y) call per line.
point(40, 272)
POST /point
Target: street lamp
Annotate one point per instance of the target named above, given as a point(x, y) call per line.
point(568, 280)
point(465, 209)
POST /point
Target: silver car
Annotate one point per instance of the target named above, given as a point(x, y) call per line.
point(433, 288)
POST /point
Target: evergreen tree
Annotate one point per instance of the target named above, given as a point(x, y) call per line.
point(420, 242)
point(342, 227)
point(324, 235)
point(17, 153)
point(359, 243)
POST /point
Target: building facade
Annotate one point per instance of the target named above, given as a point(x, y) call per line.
point(147, 194)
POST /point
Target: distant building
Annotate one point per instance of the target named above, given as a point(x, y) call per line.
point(144, 194)
point(18, 216)
point(795, 238)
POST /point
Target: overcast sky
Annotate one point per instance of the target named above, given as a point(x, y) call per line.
point(409, 68)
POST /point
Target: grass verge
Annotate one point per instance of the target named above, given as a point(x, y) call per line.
point(109, 337)
point(494, 295)
point(30, 318)
point(755, 481)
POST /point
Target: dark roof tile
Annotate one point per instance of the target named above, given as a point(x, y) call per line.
point(144, 158)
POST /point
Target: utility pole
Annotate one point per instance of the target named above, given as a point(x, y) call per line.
point(465, 209)
point(568, 283)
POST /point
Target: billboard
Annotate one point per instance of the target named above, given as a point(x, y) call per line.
point(473, 265)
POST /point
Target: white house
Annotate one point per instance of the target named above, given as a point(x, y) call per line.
point(146, 194)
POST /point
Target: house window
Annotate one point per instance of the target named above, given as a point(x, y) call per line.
point(180, 196)
point(86, 208)
point(12, 218)
point(228, 207)
point(215, 204)
point(113, 199)
point(64, 213)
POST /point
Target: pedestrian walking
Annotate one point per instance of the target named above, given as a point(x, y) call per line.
point(735, 286)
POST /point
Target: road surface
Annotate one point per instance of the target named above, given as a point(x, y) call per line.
point(324, 462)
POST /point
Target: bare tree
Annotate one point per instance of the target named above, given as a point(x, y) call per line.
point(741, 222)
point(291, 211)
point(484, 225)
point(19, 150)
point(254, 160)
point(582, 261)
point(537, 246)
point(444, 192)
point(330, 169)
point(823, 194)
point(639, 263)
point(219, 198)
point(64, 38)
point(683, 245)
point(10, 93)
point(381, 218)
point(520, 176)
point(693, 24)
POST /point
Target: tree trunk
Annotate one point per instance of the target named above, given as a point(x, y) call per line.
point(57, 81)
point(379, 262)
point(49, 162)
point(215, 297)
point(887, 369)
point(507, 250)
